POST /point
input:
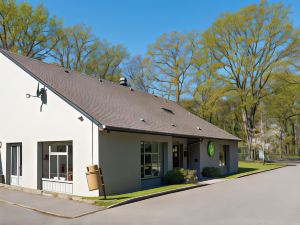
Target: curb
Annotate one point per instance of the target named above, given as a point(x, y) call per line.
point(154, 195)
point(246, 175)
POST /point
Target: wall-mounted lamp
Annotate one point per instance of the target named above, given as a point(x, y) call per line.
point(41, 94)
point(81, 118)
point(0, 144)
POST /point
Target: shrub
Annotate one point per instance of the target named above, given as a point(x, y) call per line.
point(174, 176)
point(190, 176)
point(211, 172)
point(180, 176)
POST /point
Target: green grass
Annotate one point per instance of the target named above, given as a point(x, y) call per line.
point(113, 199)
point(246, 168)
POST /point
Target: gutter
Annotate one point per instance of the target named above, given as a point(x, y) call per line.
point(131, 130)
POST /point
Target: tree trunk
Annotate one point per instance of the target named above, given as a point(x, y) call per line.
point(281, 144)
point(293, 138)
point(248, 133)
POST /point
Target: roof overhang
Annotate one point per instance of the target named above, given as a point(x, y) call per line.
point(129, 130)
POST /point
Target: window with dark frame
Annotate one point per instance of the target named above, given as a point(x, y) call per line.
point(222, 156)
point(150, 159)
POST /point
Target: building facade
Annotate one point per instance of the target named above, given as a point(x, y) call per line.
point(49, 146)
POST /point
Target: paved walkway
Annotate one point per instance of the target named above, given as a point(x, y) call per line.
point(48, 205)
point(269, 198)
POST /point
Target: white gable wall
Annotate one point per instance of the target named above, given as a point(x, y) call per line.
point(22, 121)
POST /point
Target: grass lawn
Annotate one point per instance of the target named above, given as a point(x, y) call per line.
point(113, 199)
point(246, 168)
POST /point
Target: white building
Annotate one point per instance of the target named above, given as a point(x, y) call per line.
point(133, 136)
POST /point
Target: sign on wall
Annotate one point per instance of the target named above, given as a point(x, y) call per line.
point(210, 149)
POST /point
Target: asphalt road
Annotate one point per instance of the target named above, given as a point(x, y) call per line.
point(270, 198)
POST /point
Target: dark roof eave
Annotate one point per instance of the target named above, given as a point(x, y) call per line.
point(130, 130)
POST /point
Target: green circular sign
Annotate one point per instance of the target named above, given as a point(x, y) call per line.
point(210, 149)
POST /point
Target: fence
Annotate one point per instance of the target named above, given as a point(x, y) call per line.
point(243, 154)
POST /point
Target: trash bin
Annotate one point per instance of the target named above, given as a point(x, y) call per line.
point(93, 178)
point(92, 168)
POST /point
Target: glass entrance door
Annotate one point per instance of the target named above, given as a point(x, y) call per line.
point(16, 165)
point(177, 156)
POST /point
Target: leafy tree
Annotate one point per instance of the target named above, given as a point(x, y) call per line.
point(283, 110)
point(136, 72)
point(75, 45)
point(78, 49)
point(248, 47)
point(169, 61)
point(106, 62)
point(26, 30)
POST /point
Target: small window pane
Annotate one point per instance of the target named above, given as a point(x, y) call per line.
point(148, 147)
point(62, 166)
point(53, 167)
point(155, 158)
point(147, 159)
point(155, 171)
point(142, 172)
point(20, 158)
point(154, 147)
point(148, 171)
point(222, 156)
point(14, 161)
point(70, 163)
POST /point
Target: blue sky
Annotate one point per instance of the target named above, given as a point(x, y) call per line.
point(137, 23)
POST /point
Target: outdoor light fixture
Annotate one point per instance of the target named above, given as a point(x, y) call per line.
point(81, 118)
point(41, 94)
point(0, 144)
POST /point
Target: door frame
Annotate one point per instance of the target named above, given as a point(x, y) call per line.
point(180, 155)
point(19, 162)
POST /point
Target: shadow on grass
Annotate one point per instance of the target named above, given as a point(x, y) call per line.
point(241, 171)
point(246, 169)
point(112, 198)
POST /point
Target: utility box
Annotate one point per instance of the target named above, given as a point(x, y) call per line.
point(93, 178)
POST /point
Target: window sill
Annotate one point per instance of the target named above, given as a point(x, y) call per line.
point(150, 178)
point(58, 181)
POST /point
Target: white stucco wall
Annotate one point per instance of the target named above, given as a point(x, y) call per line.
point(121, 163)
point(22, 121)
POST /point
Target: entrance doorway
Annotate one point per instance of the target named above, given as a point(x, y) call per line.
point(16, 164)
point(177, 156)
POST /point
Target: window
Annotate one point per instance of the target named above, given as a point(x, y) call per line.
point(61, 162)
point(222, 155)
point(150, 159)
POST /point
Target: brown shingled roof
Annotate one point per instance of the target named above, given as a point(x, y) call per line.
point(118, 107)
